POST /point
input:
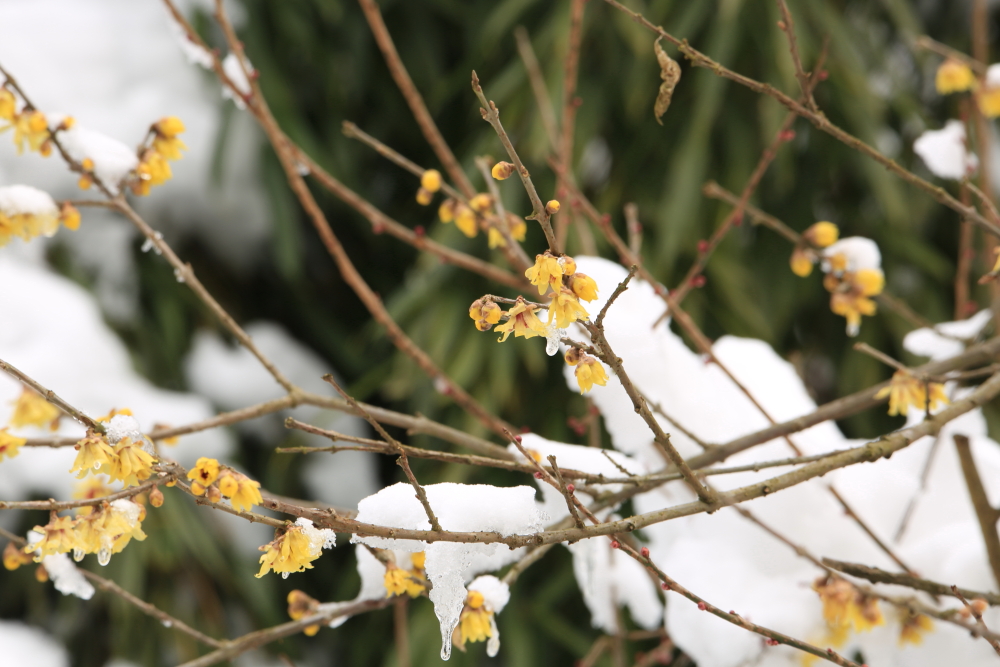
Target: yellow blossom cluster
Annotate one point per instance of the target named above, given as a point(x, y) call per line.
point(479, 212)
point(154, 165)
point(30, 126)
point(210, 479)
point(851, 292)
point(476, 624)
point(412, 582)
point(905, 390)
point(954, 76)
point(126, 460)
point(845, 608)
point(301, 605)
point(819, 235)
point(295, 549)
point(104, 530)
point(30, 409)
point(589, 371)
point(41, 217)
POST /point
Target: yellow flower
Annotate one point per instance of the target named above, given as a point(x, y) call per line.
point(552, 206)
point(153, 170)
point(8, 104)
point(424, 196)
point(93, 455)
point(502, 170)
point(521, 321)
point(301, 605)
point(10, 445)
point(801, 262)
point(132, 464)
point(475, 623)
point(989, 101)
point(109, 529)
point(205, 472)
point(32, 128)
point(565, 308)
point(518, 229)
point(114, 413)
point(31, 409)
point(465, 220)
point(398, 581)
point(166, 142)
point(590, 371)
point(953, 76)
point(906, 390)
point(430, 180)
point(485, 312)
point(247, 494)
point(446, 211)
point(93, 487)
point(229, 486)
point(295, 549)
point(496, 239)
point(481, 203)
point(851, 292)
point(583, 286)
point(13, 556)
point(58, 537)
point(914, 627)
point(546, 273)
point(69, 216)
point(822, 234)
point(418, 559)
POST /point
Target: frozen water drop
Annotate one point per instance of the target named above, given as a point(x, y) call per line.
point(167, 623)
point(178, 275)
point(104, 556)
point(78, 555)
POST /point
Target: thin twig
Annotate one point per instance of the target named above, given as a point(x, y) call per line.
point(788, 28)
point(57, 505)
point(51, 397)
point(986, 514)
point(980, 623)
point(878, 576)
point(538, 86)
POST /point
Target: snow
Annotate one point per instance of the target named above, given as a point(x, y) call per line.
point(944, 151)
point(195, 53)
point(26, 645)
point(24, 199)
point(121, 427)
point(112, 159)
point(496, 594)
point(458, 507)
point(231, 66)
point(609, 579)
point(860, 252)
point(66, 577)
point(993, 75)
point(940, 342)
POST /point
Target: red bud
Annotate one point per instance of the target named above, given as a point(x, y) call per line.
point(645, 552)
point(538, 475)
point(701, 605)
point(571, 488)
point(615, 544)
point(419, 231)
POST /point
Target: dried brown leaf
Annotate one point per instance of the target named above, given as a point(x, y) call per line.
point(670, 72)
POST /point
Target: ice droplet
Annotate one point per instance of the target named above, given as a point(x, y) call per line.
point(552, 338)
point(78, 555)
point(147, 245)
point(167, 623)
point(104, 556)
point(284, 575)
point(178, 275)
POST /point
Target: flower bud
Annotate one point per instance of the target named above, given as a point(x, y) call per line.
point(481, 202)
point(645, 552)
point(41, 574)
point(446, 211)
point(502, 170)
point(552, 206)
point(431, 180)
point(156, 497)
point(573, 356)
point(570, 488)
point(822, 234)
point(424, 196)
point(214, 494)
point(615, 544)
point(801, 262)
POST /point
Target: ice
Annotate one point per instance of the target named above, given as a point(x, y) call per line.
point(944, 151)
point(458, 507)
point(939, 343)
point(26, 645)
point(235, 72)
point(24, 199)
point(66, 577)
point(553, 336)
point(121, 427)
point(993, 75)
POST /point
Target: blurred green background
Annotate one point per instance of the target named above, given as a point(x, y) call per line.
point(319, 66)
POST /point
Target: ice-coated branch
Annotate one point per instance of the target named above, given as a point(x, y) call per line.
point(403, 462)
point(491, 114)
point(51, 397)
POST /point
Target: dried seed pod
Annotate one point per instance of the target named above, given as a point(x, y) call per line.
point(670, 72)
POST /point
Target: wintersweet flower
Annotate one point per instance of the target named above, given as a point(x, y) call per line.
point(822, 234)
point(430, 180)
point(10, 445)
point(913, 629)
point(485, 312)
point(481, 202)
point(583, 286)
point(590, 371)
point(446, 211)
point(521, 321)
point(31, 128)
point(487, 597)
point(988, 97)
point(502, 170)
point(93, 455)
point(850, 292)
point(166, 142)
point(301, 605)
point(14, 557)
point(802, 261)
point(58, 537)
point(8, 104)
point(246, 493)
point(546, 273)
point(132, 463)
point(399, 581)
point(495, 239)
point(953, 76)
point(31, 409)
point(905, 390)
point(295, 549)
point(109, 529)
point(203, 474)
point(69, 216)
point(465, 220)
point(153, 170)
point(424, 196)
point(89, 489)
point(565, 308)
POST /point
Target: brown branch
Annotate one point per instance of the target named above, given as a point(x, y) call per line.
point(491, 114)
point(413, 98)
point(55, 505)
point(878, 576)
point(925, 42)
point(512, 248)
point(985, 513)
point(401, 632)
point(403, 462)
point(980, 623)
point(788, 27)
point(51, 397)
point(819, 120)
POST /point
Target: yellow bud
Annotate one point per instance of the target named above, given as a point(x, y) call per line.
point(573, 356)
point(69, 216)
point(481, 202)
point(446, 211)
point(474, 599)
point(87, 164)
point(465, 220)
point(989, 102)
point(156, 497)
point(8, 104)
point(502, 170)
point(801, 262)
point(870, 281)
point(552, 207)
point(953, 76)
point(37, 122)
point(84, 183)
point(583, 286)
point(420, 557)
point(45, 149)
point(431, 180)
point(424, 196)
point(67, 123)
point(214, 494)
point(169, 127)
point(822, 234)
